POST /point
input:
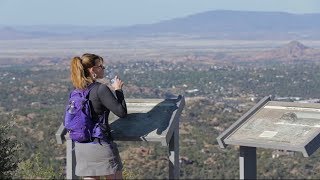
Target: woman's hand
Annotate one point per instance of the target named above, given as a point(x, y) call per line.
point(118, 83)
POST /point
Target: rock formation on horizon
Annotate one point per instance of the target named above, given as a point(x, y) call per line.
point(292, 51)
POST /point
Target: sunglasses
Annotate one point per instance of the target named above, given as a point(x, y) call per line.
point(100, 66)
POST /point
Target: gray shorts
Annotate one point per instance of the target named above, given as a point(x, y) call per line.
point(94, 159)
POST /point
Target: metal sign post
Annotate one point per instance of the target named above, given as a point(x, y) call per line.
point(248, 162)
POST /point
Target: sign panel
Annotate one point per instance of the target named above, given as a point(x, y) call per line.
point(148, 119)
point(280, 125)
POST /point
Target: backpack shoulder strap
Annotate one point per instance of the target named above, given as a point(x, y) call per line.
point(89, 88)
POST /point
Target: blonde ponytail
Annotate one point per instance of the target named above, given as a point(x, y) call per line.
point(80, 76)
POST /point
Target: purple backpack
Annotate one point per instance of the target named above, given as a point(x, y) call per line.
point(78, 120)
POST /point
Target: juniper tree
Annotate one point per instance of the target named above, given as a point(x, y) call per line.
point(8, 154)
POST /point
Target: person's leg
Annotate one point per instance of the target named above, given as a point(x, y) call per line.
point(92, 177)
point(117, 175)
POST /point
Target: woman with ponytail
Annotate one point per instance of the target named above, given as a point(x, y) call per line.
point(99, 157)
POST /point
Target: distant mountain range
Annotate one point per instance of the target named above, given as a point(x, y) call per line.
point(212, 24)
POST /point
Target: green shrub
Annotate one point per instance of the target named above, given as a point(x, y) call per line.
point(34, 168)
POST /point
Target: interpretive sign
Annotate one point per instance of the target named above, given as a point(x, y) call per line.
point(280, 125)
point(290, 126)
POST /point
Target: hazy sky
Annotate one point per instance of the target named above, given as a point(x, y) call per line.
point(128, 12)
